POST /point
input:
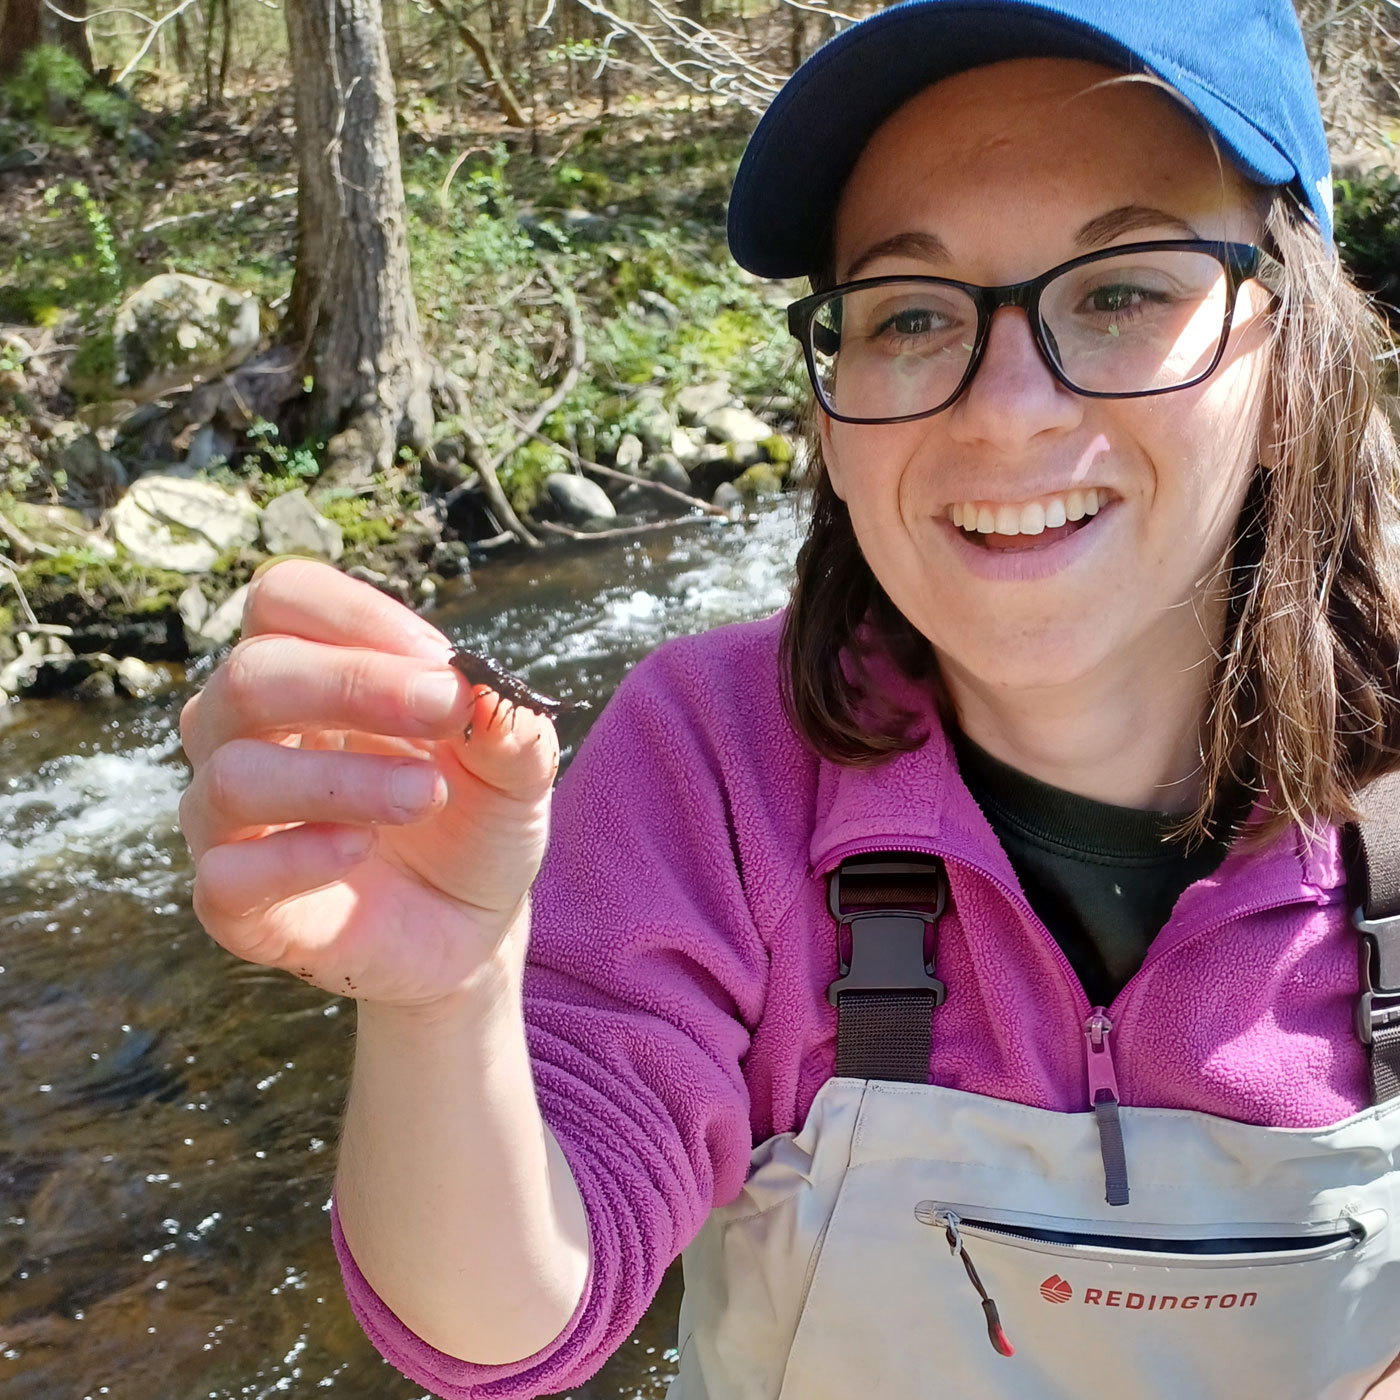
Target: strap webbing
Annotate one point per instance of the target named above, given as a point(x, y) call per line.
point(884, 1035)
point(887, 996)
point(1372, 850)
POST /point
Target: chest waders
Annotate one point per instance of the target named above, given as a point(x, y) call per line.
point(912, 1242)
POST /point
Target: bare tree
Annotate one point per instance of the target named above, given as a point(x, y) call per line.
point(352, 309)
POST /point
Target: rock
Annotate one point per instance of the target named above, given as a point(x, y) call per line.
point(712, 467)
point(21, 673)
point(667, 470)
point(175, 329)
point(137, 679)
point(207, 631)
point(167, 522)
point(93, 475)
point(577, 499)
point(746, 454)
point(629, 453)
point(449, 558)
point(734, 424)
point(209, 445)
point(727, 497)
point(99, 683)
point(697, 401)
point(292, 525)
point(758, 482)
point(654, 424)
point(687, 446)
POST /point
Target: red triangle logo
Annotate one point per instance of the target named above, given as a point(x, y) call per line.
point(1056, 1290)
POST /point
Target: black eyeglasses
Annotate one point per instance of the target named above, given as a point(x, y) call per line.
point(1126, 322)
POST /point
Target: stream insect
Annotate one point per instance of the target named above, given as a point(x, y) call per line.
point(481, 670)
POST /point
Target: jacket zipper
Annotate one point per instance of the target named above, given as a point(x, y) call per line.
point(1103, 1100)
point(1108, 1121)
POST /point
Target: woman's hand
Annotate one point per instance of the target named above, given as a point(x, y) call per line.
point(343, 828)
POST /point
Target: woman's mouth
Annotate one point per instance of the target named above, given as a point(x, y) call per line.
point(1028, 525)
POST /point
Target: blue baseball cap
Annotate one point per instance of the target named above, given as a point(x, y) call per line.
point(1241, 65)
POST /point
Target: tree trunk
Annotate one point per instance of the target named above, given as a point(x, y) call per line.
point(352, 299)
point(19, 32)
point(25, 24)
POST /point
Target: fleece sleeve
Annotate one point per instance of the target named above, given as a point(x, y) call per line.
point(647, 974)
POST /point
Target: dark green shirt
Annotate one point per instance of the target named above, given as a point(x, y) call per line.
point(1102, 879)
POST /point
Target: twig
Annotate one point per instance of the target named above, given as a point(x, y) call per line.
point(209, 213)
point(7, 571)
point(568, 534)
point(578, 357)
point(23, 542)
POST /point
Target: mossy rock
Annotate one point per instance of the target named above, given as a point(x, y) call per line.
point(759, 481)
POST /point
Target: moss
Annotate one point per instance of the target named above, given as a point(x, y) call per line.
point(94, 368)
point(360, 527)
point(777, 449)
point(522, 475)
point(7, 619)
point(759, 481)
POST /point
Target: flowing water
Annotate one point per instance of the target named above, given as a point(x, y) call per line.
point(168, 1115)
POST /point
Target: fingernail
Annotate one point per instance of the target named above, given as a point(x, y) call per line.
point(412, 787)
point(434, 695)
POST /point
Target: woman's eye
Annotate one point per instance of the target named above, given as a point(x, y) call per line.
point(911, 322)
point(1120, 297)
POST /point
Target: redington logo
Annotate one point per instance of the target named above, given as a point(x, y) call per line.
point(1058, 1290)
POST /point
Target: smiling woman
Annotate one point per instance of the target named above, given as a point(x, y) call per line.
point(993, 895)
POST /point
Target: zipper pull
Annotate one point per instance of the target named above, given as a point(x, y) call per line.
point(949, 1223)
point(1103, 1099)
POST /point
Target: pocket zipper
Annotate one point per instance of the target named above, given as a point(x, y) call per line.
point(1221, 1252)
point(1359, 1229)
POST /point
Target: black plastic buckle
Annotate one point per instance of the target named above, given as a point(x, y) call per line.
point(888, 945)
point(1378, 1006)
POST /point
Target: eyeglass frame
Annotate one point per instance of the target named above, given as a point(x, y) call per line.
point(1240, 262)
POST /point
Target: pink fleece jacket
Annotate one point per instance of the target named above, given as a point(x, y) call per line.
point(681, 950)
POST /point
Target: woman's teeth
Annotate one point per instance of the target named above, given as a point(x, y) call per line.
point(1033, 518)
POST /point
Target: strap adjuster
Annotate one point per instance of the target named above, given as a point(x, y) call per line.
point(1378, 1006)
point(888, 943)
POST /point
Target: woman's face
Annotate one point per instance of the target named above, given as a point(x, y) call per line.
point(995, 176)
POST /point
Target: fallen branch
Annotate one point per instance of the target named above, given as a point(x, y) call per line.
point(622, 530)
point(452, 391)
point(209, 213)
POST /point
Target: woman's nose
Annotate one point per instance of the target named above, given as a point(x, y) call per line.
point(1013, 395)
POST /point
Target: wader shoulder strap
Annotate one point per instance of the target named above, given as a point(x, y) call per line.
point(1372, 849)
point(887, 908)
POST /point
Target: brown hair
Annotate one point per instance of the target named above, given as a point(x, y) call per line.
point(1304, 707)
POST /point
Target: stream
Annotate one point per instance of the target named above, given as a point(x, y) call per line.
point(168, 1115)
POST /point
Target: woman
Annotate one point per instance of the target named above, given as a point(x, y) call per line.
point(958, 965)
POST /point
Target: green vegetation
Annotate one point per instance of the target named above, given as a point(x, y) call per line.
point(1368, 232)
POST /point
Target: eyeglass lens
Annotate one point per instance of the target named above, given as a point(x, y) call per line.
point(1143, 322)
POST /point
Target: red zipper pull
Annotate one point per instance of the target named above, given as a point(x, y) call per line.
point(949, 1222)
point(1103, 1099)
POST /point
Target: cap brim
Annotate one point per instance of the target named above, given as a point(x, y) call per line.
point(790, 179)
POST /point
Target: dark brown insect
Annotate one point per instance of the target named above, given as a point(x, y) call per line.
point(481, 670)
